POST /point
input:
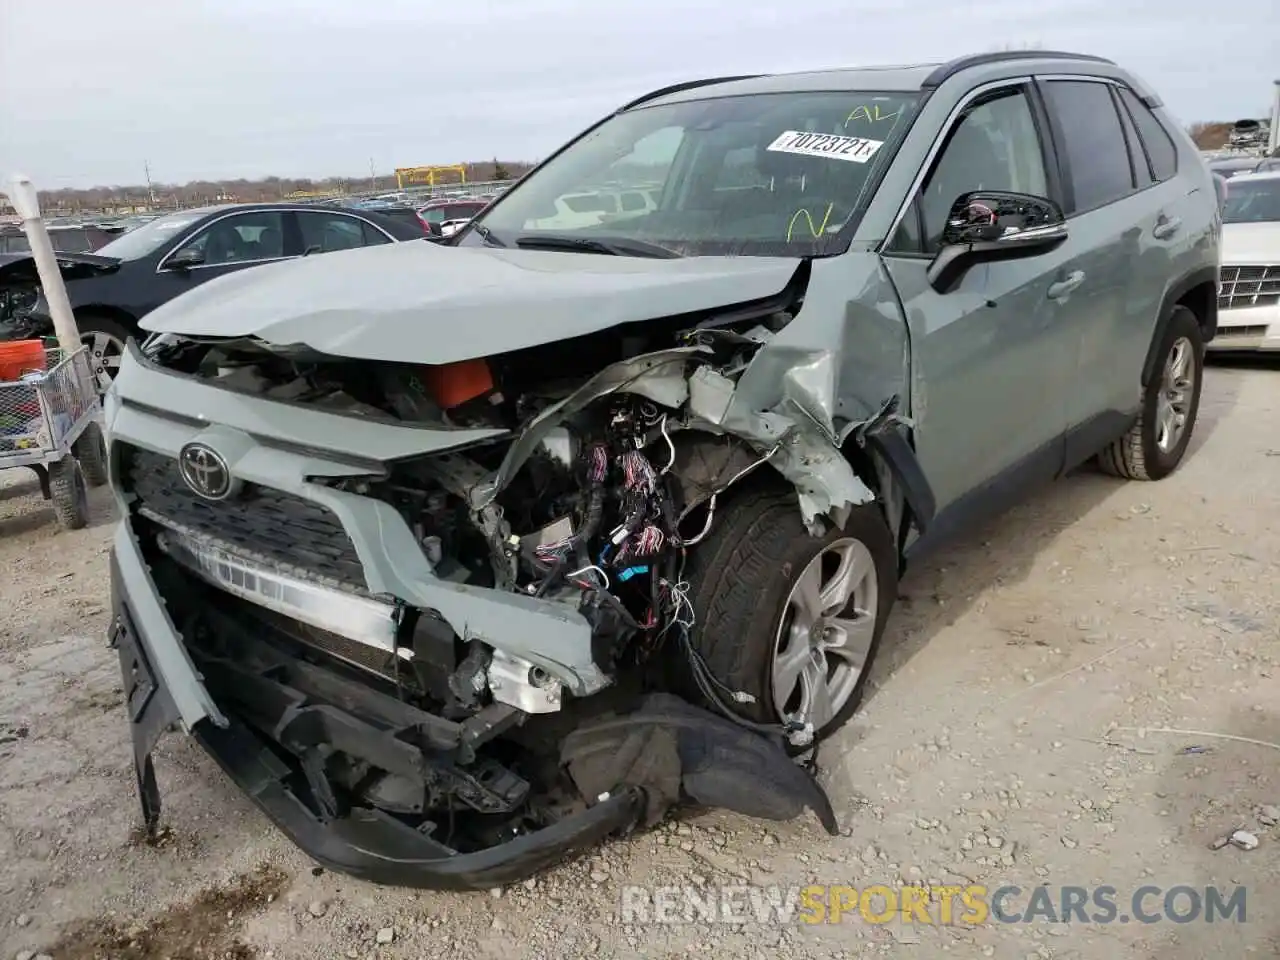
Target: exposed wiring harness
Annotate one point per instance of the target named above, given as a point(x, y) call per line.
point(682, 620)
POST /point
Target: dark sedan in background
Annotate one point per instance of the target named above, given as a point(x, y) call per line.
point(115, 286)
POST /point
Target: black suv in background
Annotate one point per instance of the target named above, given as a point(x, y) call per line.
point(122, 281)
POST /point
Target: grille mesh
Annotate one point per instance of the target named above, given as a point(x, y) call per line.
point(1249, 286)
point(290, 532)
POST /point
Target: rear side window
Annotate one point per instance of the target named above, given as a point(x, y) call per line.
point(1160, 148)
point(1092, 140)
point(69, 241)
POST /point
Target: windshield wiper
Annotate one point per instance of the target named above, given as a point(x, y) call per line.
point(614, 246)
point(487, 235)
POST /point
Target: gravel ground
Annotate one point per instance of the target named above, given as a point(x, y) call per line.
point(1017, 733)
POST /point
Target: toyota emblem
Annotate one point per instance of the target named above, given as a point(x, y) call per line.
point(205, 472)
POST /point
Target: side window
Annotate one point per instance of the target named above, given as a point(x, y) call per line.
point(992, 146)
point(632, 201)
point(327, 232)
point(1161, 151)
point(1093, 141)
point(1138, 165)
point(242, 238)
point(373, 236)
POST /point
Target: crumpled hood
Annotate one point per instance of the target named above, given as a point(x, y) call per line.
point(1250, 243)
point(429, 304)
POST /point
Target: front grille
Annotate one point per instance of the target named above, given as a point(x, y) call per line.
point(1249, 286)
point(289, 532)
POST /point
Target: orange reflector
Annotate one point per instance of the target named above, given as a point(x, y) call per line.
point(452, 384)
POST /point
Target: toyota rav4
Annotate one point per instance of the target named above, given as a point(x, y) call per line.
point(461, 557)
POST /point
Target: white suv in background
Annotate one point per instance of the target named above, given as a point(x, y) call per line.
point(1249, 297)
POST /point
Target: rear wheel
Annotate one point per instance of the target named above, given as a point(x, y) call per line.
point(91, 450)
point(791, 621)
point(1155, 445)
point(68, 493)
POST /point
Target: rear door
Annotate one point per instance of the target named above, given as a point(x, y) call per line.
point(1123, 222)
point(991, 366)
point(326, 231)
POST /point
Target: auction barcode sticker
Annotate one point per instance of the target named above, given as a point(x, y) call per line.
point(833, 145)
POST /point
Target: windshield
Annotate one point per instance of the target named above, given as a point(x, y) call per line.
point(150, 236)
point(1253, 201)
point(762, 175)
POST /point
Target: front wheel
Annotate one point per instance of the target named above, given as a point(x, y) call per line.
point(788, 622)
point(105, 337)
point(1156, 443)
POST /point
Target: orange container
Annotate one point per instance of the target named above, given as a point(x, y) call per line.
point(453, 384)
point(20, 356)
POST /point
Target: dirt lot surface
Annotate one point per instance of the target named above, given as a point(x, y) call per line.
point(1023, 729)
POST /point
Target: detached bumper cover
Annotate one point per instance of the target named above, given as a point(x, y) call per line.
point(365, 843)
point(267, 725)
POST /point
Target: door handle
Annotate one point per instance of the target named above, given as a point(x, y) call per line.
point(1060, 288)
point(1166, 227)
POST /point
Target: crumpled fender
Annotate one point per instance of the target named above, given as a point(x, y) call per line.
point(675, 751)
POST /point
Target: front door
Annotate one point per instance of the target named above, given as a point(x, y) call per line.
point(237, 241)
point(991, 364)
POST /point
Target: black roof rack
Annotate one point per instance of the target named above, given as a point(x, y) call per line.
point(686, 85)
point(948, 70)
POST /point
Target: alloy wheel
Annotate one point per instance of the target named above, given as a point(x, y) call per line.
point(825, 634)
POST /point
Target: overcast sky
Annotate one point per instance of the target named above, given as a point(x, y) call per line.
point(212, 89)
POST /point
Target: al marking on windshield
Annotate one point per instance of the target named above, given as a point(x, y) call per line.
point(831, 145)
point(871, 114)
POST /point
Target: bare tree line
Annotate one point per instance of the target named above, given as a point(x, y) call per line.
point(138, 197)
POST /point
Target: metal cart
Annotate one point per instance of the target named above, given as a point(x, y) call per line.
point(49, 402)
point(49, 423)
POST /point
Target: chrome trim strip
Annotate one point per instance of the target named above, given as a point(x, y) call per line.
point(362, 619)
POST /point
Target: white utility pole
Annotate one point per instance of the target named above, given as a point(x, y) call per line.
point(1273, 141)
point(22, 194)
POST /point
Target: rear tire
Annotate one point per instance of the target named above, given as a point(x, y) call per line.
point(743, 580)
point(1154, 446)
point(68, 493)
point(91, 450)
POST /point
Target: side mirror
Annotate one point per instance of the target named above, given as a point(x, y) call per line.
point(989, 225)
point(185, 259)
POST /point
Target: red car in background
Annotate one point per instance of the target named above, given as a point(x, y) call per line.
point(443, 217)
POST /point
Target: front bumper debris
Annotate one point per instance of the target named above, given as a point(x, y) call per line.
point(271, 724)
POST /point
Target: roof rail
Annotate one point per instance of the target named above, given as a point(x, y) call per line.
point(948, 70)
point(686, 85)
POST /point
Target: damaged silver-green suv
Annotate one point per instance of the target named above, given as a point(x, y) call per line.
point(460, 557)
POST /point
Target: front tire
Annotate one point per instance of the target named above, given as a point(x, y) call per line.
point(791, 620)
point(1156, 443)
point(105, 337)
